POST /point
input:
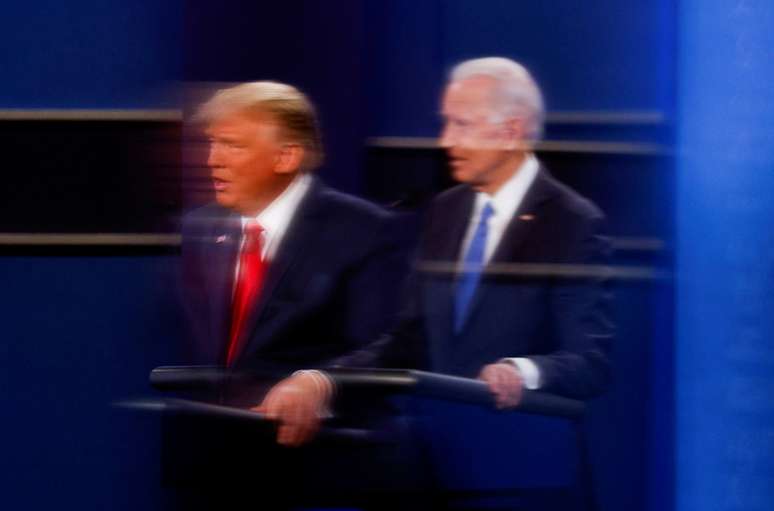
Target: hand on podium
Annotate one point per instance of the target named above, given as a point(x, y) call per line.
point(505, 382)
point(298, 404)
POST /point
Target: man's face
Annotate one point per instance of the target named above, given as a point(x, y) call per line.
point(243, 159)
point(476, 146)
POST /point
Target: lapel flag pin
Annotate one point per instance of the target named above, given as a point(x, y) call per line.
point(527, 217)
point(221, 239)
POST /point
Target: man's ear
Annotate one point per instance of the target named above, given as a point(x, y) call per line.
point(516, 128)
point(289, 158)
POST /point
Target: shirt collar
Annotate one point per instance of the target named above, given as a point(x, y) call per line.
point(507, 199)
point(275, 217)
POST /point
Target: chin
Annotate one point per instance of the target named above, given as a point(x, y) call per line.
point(224, 200)
point(461, 176)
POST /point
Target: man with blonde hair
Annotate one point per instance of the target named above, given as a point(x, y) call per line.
point(281, 271)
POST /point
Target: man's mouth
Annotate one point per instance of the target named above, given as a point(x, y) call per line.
point(220, 185)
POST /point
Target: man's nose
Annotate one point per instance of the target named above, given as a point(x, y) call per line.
point(446, 139)
point(213, 156)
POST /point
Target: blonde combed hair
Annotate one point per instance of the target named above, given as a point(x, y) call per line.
point(288, 106)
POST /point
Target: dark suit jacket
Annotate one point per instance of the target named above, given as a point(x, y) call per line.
point(332, 284)
point(522, 307)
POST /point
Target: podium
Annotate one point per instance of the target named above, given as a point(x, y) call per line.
point(404, 437)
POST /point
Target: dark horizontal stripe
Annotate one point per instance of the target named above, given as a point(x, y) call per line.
point(617, 117)
point(81, 239)
point(173, 240)
point(550, 146)
point(539, 270)
point(86, 114)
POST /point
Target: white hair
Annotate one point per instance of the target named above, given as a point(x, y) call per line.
point(516, 91)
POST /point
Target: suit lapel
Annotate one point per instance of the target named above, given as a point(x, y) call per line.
point(446, 250)
point(298, 239)
point(527, 215)
point(455, 224)
point(226, 237)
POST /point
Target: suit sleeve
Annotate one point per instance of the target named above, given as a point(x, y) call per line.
point(402, 346)
point(400, 341)
point(582, 332)
point(373, 287)
point(191, 290)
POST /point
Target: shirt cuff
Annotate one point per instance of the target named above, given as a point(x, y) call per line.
point(529, 370)
point(325, 387)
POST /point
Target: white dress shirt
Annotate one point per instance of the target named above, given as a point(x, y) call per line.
point(275, 218)
point(505, 202)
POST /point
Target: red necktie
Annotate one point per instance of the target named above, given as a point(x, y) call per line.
point(252, 268)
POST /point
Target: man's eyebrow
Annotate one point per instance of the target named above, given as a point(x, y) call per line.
point(221, 136)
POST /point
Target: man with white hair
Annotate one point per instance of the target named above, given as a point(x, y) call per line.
point(488, 299)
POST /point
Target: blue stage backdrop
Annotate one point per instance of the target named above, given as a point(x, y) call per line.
point(84, 328)
point(725, 303)
point(87, 54)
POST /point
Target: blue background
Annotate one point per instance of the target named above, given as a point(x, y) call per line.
point(689, 424)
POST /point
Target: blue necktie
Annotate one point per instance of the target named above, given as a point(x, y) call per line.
point(471, 271)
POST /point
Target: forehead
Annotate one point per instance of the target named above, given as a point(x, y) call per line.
point(468, 96)
point(241, 123)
